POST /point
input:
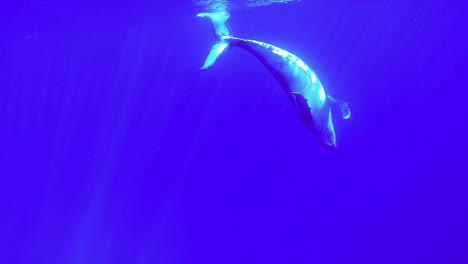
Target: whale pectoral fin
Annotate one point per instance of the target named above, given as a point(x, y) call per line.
point(345, 112)
point(303, 109)
point(299, 100)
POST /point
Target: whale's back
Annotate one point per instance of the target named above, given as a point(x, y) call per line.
point(293, 74)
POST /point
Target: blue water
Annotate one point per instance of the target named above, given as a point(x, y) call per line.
point(115, 148)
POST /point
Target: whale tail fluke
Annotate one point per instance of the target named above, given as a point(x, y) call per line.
point(218, 49)
point(345, 112)
point(218, 21)
point(222, 33)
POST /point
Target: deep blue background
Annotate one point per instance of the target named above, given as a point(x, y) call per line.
point(116, 149)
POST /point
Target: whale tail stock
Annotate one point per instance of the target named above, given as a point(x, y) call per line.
point(222, 33)
point(345, 112)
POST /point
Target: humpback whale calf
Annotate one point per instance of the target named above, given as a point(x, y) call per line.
point(300, 83)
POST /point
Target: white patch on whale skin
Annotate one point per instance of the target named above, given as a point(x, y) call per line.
point(280, 52)
point(301, 64)
point(314, 78)
point(266, 45)
point(290, 58)
point(322, 95)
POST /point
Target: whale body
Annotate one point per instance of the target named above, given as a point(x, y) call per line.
point(299, 82)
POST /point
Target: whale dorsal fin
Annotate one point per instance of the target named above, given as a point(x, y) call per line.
point(345, 112)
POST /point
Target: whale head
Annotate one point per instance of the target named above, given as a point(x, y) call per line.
point(323, 128)
point(317, 119)
point(326, 135)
